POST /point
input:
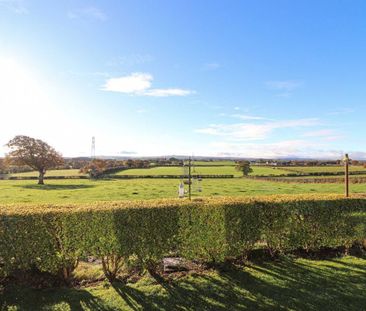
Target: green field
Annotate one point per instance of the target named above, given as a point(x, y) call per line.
point(216, 168)
point(286, 284)
point(71, 172)
point(84, 190)
point(210, 170)
point(213, 163)
point(322, 169)
point(324, 177)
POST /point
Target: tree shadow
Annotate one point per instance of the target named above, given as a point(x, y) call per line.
point(279, 285)
point(55, 187)
point(276, 285)
point(64, 299)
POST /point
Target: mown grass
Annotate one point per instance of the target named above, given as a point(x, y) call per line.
point(323, 169)
point(286, 284)
point(84, 190)
point(202, 170)
point(324, 176)
point(214, 163)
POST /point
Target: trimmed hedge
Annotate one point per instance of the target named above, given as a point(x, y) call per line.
point(52, 238)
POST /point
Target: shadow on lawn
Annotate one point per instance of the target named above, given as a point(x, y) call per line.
point(58, 299)
point(281, 286)
point(277, 285)
point(55, 187)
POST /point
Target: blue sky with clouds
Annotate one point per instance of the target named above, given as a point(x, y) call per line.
point(230, 78)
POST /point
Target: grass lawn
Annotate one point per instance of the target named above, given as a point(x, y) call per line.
point(286, 284)
point(210, 170)
point(71, 172)
point(84, 190)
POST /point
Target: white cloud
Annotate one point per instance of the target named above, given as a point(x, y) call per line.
point(282, 149)
point(140, 84)
point(250, 131)
point(16, 6)
point(325, 134)
point(167, 92)
point(320, 133)
point(135, 83)
point(87, 12)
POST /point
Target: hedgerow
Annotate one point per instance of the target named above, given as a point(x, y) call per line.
point(52, 238)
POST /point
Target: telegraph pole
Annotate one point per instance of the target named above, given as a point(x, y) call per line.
point(92, 154)
point(346, 175)
point(189, 178)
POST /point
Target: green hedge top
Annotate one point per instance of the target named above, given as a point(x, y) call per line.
point(31, 208)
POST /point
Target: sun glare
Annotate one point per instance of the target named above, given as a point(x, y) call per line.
point(20, 88)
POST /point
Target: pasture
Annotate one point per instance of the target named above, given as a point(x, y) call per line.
point(84, 190)
point(111, 189)
point(324, 169)
point(213, 163)
point(203, 170)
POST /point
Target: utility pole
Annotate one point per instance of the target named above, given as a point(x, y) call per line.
point(346, 174)
point(92, 154)
point(189, 178)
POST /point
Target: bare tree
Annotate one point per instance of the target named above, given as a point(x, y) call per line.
point(34, 153)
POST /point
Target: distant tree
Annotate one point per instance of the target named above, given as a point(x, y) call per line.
point(34, 153)
point(129, 163)
point(2, 166)
point(95, 168)
point(244, 167)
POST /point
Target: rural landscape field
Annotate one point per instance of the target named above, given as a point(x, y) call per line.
point(140, 185)
point(182, 155)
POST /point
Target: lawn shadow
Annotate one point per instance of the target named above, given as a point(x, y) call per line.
point(55, 187)
point(47, 299)
point(204, 292)
point(285, 284)
point(279, 285)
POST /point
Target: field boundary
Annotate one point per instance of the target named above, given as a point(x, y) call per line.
point(334, 180)
point(168, 176)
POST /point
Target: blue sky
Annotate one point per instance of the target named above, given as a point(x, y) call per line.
point(222, 78)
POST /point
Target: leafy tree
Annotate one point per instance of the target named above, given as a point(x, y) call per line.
point(129, 163)
point(2, 166)
point(95, 168)
point(34, 153)
point(244, 166)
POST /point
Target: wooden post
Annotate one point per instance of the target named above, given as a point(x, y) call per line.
point(346, 175)
point(189, 178)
